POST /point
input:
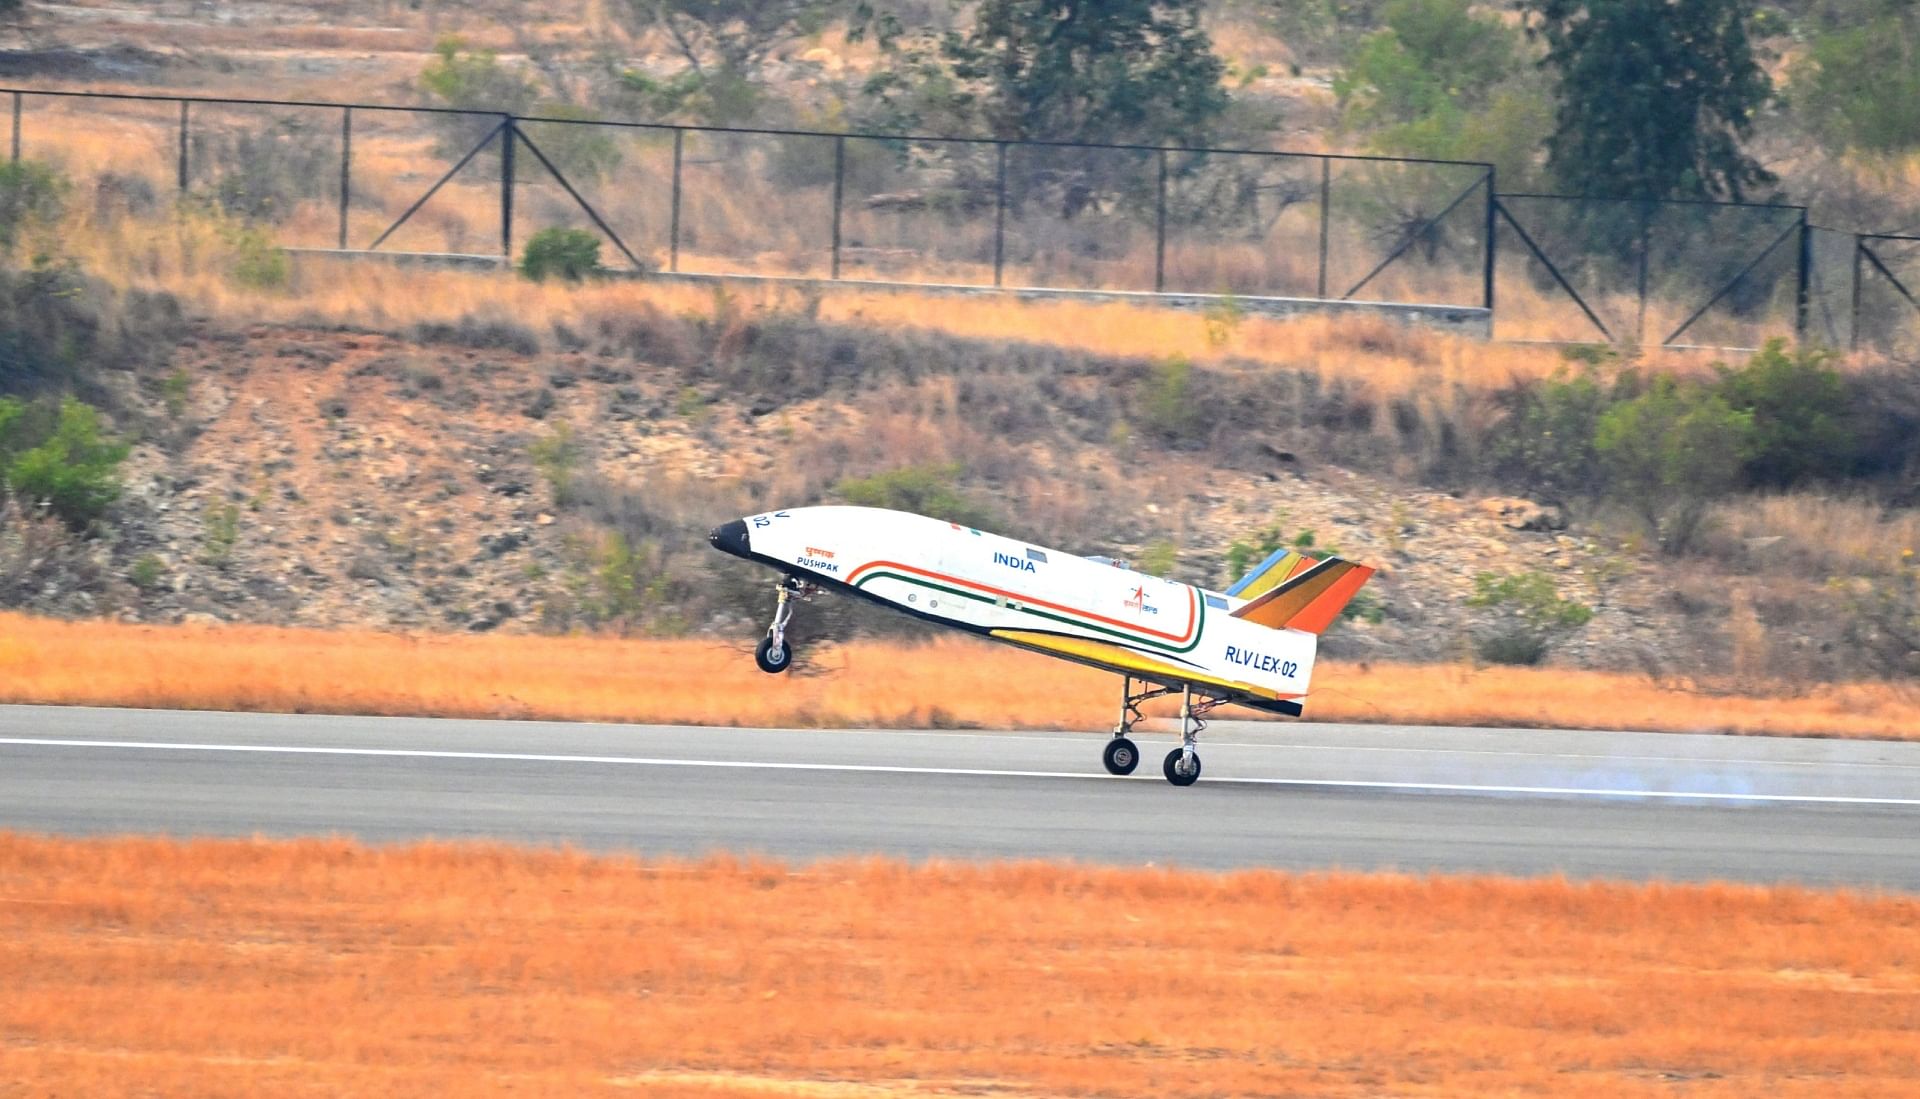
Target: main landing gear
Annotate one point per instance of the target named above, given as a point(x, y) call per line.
point(1182, 766)
point(773, 654)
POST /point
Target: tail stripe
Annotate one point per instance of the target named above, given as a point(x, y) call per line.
point(1280, 566)
point(1311, 600)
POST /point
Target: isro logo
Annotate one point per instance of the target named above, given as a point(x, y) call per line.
point(1138, 601)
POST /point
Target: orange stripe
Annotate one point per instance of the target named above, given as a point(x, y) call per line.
point(1134, 626)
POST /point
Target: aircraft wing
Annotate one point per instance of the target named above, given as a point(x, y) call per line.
point(1114, 658)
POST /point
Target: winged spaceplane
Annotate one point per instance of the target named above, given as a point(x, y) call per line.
point(1251, 645)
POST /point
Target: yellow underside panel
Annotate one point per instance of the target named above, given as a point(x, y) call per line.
point(1116, 659)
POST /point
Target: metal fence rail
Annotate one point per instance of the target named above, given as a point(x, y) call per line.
point(354, 178)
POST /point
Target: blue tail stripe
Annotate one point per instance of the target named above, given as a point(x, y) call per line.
point(1254, 573)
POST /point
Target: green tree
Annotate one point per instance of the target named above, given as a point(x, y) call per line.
point(475, 80)
point(1859, 84)
point(724, 44)
point(1670, 451)
point(1654, 96)
point(1432, 55)
point(1070, 70)
point(1444, 82)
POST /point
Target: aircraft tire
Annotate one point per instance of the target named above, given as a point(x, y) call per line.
point(771, 660)
point(1121, 756)
point(1177, 776)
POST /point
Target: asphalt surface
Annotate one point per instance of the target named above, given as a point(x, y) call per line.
point(1585, 804)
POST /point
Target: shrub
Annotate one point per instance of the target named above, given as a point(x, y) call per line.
point(256, 263)
point(557, 456)
point(1882, 616)
point(1545, 443)
point(1159, 559)
point(570, 254)
point(147, 572)
point(74, 471)
point(1670, 451)
point(1519, 647)
point(1243, 554)
point(582, 153)
point(1799, 404)
point(924, 490)
point(1532, 616)
point(263, 174)
point(1170, 407)
point(220, 533)
point(57, 326)
point(31, 194)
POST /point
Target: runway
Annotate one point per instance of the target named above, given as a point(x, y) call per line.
point(1289, 795)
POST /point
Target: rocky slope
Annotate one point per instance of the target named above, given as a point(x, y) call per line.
point(475, 480)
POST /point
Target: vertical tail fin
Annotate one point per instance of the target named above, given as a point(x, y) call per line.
point(1311, 599)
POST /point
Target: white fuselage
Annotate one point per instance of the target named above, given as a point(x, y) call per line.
point(983, 582)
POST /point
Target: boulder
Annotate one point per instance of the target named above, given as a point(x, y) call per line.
point(1518, 513)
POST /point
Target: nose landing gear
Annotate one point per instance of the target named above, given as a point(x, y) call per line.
point(773, 654)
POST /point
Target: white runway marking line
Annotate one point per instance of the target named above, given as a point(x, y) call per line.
point(885, 769)
point(1277, 745)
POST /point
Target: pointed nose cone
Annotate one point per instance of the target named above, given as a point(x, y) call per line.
point(730, 537)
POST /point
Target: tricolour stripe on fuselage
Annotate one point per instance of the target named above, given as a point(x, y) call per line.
point(1036, 612)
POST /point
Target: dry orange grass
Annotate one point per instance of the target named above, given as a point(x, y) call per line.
point(956, 682)
point(319, 967)
point(1385, 357)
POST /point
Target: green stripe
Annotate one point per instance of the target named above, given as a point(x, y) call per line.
point(1199, 605)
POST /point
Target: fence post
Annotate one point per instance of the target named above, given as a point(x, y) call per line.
point(1000, 213)
point(839, 183)
point(1803, 300)
point(509, 137)
point(1486, 274)
point(346, 170)
point(673, 229)
point(16, 127)
point(1646, 239)
point(183, 146)
point(1160, 231)
point(1326, 199)
point(1859, 272)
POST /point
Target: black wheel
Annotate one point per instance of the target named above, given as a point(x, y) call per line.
point(1179, 775)
point(1121, 757)
point(773, 660)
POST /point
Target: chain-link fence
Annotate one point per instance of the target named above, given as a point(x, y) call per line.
point(944, 211)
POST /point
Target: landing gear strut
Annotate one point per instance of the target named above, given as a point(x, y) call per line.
point(1123, 755)
point(773, 654)
point(1182, 766)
